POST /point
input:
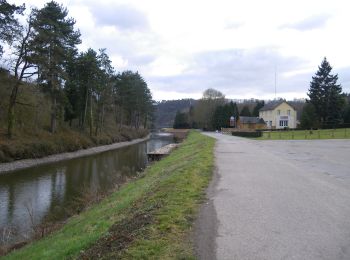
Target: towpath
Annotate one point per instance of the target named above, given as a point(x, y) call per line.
point(277, 200)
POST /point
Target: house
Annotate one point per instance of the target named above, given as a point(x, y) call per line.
point(279, 115)
point(250, 122)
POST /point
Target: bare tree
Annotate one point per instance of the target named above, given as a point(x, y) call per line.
point(22, 69)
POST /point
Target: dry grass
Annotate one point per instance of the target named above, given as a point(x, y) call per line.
point(41, 143)
point(179, 134)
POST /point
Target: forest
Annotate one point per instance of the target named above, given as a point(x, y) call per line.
point(51, 90)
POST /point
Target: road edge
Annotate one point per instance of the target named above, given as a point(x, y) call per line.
point(206, 224)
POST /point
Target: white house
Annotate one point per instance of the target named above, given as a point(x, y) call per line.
point(279, 115)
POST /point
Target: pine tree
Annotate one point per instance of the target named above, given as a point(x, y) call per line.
point(54, 41)
point(245, 111)
point(258, 106)
point(9, 26)
point(309, 117)
point(325, 95)
point(181, 120)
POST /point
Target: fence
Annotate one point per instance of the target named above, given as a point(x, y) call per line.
point(336, 133)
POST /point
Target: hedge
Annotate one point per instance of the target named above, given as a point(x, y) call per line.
point(247, 134)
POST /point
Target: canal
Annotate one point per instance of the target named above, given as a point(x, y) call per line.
point(32, 196)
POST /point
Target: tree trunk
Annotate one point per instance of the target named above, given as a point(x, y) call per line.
point(91, 119)
point(11, 110)
point(10, 119)
point(103, 116)
point(85, 109)
point(53, 114)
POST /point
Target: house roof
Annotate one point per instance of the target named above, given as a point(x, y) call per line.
point(272, 105)
point(251, 120)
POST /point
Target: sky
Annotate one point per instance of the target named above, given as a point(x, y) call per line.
point(241, 48)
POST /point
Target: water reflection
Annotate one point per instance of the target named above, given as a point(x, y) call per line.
point(28, 196)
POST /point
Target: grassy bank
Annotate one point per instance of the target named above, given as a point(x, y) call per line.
point(41, 143)
point(150, 217)
point(341, 133)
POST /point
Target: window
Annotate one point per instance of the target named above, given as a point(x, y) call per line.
point(288, 112)
point(270, 123)
point(278, 112)
point(284, 123)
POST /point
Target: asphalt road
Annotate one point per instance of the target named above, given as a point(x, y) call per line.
point(277, 200)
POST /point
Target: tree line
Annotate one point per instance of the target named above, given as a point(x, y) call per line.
point(83, 87)
point(327, 106)
point(213, 111)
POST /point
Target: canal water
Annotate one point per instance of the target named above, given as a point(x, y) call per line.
point(30, 196)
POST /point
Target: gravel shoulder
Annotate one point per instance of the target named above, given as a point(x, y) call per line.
point(279, 200)
point(27, 163)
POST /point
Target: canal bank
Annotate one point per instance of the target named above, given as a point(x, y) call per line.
point(35, 199)
point(28, 163)
point(150, 217)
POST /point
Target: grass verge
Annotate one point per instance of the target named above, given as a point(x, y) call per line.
point(341, 133)
point(150, 217)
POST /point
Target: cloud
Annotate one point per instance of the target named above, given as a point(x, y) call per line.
point(233, 25)
point(344, 78)
point(238, 72)
point(310, 23)
point(123, 17)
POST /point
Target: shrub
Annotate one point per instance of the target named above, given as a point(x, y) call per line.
point(248, 134)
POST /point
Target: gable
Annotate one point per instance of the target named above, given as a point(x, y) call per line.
point(277, 105)
point(284, 106)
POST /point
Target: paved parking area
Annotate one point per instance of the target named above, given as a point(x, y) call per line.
point(277, 200)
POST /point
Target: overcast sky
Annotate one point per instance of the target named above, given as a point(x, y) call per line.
point(183, 47)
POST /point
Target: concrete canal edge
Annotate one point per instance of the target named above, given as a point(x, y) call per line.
point(27, 163)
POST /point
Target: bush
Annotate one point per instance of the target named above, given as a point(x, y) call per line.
point(248, 134)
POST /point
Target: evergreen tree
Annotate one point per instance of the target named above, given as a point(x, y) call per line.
point(54, 41)
point(258, 106)
point(309, 117)
point(133, 99)
point(88, 69)
point(181, 120)
point(9, 26)
point(325, 95)
point(245, 111)
point(223, 114)
point(219, 118)
point(346, 115)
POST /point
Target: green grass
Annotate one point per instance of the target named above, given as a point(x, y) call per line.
point(150, 217)
point(341, 133)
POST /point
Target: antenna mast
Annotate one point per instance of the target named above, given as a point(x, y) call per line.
point(275, 83)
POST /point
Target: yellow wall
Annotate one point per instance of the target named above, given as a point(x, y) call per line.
point(274, 117)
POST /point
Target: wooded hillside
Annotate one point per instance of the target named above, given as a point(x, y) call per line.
point(51, 92)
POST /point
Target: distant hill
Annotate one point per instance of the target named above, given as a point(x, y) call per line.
point(166, 111)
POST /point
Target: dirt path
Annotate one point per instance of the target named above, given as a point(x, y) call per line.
point(27, 163)
point(277, 200)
